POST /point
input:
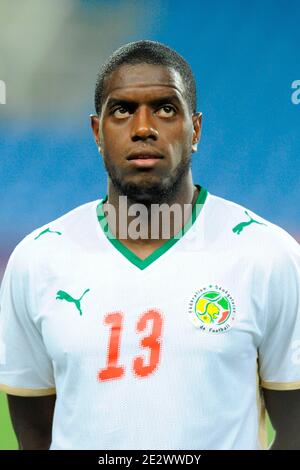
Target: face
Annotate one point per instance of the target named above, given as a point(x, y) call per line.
point(146, 131)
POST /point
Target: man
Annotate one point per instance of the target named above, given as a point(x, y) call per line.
point(152, 342)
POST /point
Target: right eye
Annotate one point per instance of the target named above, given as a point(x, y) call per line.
point(120, 112)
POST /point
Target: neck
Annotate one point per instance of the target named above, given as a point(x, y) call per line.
point(141, 223)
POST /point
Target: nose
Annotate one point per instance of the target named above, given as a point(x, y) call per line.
point(143, 126)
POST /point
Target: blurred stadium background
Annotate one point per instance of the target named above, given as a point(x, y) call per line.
point(244, 55)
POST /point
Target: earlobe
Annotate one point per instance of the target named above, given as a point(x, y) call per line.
point(96, 130)
point(194, 147)
point(197, 130)
point(99, 146)
point(95, 126)
point(195, 142)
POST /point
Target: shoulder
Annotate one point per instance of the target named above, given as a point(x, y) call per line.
point(239, 228)
point(74, 218)
point(53, 236)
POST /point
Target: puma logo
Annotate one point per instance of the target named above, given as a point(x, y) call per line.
point(47, 230)
point(239, 227)
point(62, 295)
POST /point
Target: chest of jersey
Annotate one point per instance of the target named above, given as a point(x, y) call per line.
point(185, 306)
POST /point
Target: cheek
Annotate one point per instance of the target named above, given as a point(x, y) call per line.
point(113, 140)
point(181, 151)
point(180, 144)
point(182, 134)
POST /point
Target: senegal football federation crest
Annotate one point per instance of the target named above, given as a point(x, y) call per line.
point(212, 309)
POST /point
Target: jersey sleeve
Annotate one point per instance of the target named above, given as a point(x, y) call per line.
point(25, 367)
point(279, 352)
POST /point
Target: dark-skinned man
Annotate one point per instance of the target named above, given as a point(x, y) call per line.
point(115, 335)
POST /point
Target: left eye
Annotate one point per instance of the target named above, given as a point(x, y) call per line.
point(120, 111)
point(169, 110)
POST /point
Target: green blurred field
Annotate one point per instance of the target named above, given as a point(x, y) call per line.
point(7, 437)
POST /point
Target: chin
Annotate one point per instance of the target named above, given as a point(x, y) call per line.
point(150, 187)
point(147, 191)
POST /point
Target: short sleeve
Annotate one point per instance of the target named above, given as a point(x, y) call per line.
point(25, 367)
point(279, 352)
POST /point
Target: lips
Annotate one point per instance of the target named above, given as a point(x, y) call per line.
point(144, 155)
point(144, 159)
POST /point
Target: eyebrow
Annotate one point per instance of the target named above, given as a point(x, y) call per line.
point(156, 101)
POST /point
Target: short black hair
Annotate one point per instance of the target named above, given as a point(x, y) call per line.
point(150, 52)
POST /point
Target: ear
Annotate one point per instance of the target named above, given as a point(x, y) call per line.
point(95, 124)
point(197, 124)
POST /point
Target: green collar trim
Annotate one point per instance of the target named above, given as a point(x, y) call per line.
point(132, 257)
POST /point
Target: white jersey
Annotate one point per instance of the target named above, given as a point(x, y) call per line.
point(166, 353)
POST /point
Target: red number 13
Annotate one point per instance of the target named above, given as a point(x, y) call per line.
point(152, 341)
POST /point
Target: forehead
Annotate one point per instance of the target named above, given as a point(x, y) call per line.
point(143, 79)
